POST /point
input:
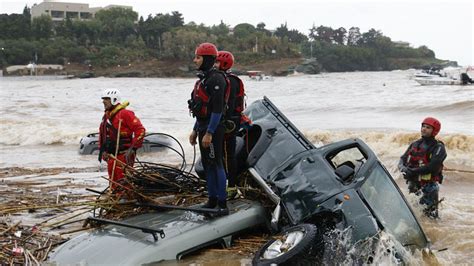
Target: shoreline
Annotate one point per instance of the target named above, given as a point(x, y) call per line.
point(161, 69)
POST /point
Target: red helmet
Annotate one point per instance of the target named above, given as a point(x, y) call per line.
point(206, 49)
point(434, 123)
point(226, 60)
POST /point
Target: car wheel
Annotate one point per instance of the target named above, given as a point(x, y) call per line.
point(290, 247)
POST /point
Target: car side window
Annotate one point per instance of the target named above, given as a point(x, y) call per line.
point(351, 157)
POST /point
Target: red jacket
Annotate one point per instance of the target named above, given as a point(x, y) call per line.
point(132, 131)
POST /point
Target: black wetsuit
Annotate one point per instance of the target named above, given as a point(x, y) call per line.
point(230, 136)
point(212, 157)
point(426, 176)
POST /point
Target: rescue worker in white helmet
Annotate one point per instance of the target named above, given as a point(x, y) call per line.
point(120, 127)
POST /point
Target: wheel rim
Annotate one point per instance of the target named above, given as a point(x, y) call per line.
point(282, 246)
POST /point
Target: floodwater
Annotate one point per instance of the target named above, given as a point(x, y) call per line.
point(42, 120)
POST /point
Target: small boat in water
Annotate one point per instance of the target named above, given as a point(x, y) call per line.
point(463, 80)
point(429, 73)
point(258, 76)
point(437, 81)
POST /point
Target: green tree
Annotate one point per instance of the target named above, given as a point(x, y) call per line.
point(42, 27)
point(15, 26)
point(424, 51)
point(65, 29)
point(182, 42)
point(339, 36)
point(354, 36)
point(220, 30)
point(369, 38)
point(244, 30)
point(282, 31)
point(295, 36)
point(117, 23)
point(324, 34)
point(153, 28)
point(176, 19)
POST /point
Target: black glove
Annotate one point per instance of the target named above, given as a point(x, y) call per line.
point(130, 156)
point(404, 170)
point(411, 171)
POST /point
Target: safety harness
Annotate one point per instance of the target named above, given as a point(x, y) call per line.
point(108, 130)
point(419, 157)
point(200, 98)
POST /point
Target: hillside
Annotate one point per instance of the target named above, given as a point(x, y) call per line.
point(177, 68)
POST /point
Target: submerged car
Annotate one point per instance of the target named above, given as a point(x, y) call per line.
point(313, 189)
point(152, 142)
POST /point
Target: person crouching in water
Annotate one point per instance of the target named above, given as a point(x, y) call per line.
point(422, 165)
point(233, 119)
point(120, 134)
point(207, 104)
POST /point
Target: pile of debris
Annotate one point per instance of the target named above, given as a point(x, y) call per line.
point(25, 245)
point(53, 216)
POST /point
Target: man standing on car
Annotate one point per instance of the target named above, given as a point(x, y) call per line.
point(207, 104)
point(233, 118)
point(422, 165)
point(120, 134)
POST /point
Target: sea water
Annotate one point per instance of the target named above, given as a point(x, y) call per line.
point(42, 120)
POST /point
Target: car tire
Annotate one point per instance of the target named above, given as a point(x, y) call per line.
point(300, 238)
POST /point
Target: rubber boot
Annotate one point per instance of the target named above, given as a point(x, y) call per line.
point(222, 205)
point(211, 203)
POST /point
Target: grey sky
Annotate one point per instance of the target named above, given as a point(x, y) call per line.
point(446, 27)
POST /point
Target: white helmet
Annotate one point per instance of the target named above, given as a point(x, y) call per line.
point(113, 94)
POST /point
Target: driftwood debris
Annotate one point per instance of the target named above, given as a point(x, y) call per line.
point(57, 215)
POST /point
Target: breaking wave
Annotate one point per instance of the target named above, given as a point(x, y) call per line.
point(458, 107)
point(39, 133)
point(389, 146)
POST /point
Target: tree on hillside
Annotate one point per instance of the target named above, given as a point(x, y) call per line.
point(244, 30)
point(152, 29)
point(65, 29)
point(353, 36)
point(220, 30)
point(324, 34)
point(25, 23)
point(15, 26)
point(87, 32)
point(339, 36)
point(182, 42)
point(176, 19)
point(383, 44)
point(261, 28)
point(117, 23)
point(42, 27)
point(282, 31)
point(368, 38)
point(424, 51)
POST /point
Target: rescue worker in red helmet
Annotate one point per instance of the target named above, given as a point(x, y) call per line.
point(233, 118)
point(422, 165)
point(207, 104)
point(116, 118)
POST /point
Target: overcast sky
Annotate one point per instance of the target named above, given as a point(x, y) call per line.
point(446, 27)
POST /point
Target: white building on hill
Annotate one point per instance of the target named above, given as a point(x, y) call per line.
point(59, 11)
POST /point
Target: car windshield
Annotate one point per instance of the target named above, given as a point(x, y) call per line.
point(391, 209)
